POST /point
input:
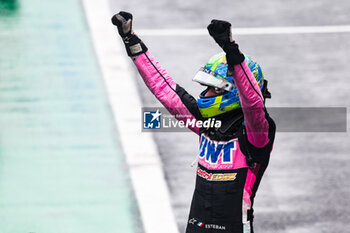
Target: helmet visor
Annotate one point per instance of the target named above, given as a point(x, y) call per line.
point(209, 78)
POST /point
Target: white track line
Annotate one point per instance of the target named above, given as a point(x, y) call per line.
point(248, 31)
point(140, 150)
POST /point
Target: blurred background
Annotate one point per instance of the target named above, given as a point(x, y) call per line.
point(62, 166)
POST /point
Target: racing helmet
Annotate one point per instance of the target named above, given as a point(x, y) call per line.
point(214, 74)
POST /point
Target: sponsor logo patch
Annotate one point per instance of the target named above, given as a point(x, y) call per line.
point(194, 221)
point(215, 152)
point(216, 176)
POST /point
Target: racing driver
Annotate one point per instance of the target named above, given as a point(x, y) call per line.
point(233, 157)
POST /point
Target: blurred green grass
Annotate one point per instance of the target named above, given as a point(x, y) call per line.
point(61, 164)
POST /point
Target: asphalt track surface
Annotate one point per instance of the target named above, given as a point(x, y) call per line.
point(306, 187)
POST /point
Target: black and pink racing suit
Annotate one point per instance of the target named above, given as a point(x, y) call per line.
point(231, 160)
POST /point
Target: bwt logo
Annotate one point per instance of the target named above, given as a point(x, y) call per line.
point(212, 151)
point(152, 120)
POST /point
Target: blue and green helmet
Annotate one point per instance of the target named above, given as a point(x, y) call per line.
point(214, 74)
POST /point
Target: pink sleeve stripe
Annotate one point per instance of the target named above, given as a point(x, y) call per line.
point(252, 104)
point(163, 87)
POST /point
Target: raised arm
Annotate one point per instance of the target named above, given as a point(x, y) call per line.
point(252, 102)
point(174, 98)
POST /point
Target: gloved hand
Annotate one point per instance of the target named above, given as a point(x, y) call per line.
point(123, 20)
point(221, 33)
point(134, 46)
